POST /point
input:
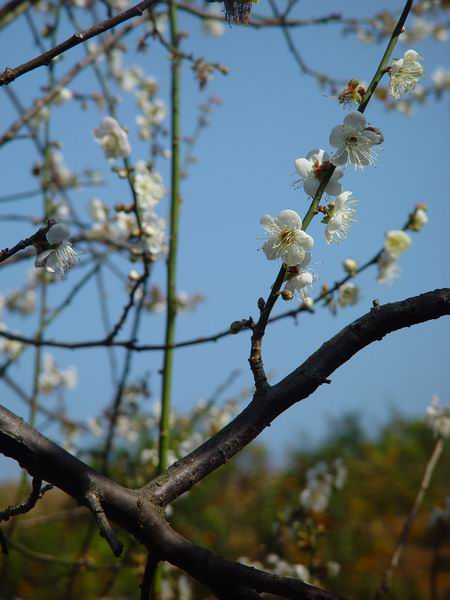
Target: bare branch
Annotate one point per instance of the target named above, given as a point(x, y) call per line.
point(94, 505)
point(36, 238)
point(147, 579)
point(45, 58)
point(19, 509)
point(109, 42)
point(424, 485)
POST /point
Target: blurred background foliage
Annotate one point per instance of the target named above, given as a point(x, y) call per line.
point(251, 510)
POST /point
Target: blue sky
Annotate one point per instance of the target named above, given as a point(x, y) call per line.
point(271, 115)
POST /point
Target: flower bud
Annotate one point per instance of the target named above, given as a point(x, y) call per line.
point(236, 327)
point(133, 275)
point(350, 266)
point(287, 295)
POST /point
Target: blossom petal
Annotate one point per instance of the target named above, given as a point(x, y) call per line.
point(271, 249)
point(355, 121)
point(311, 186)
point(41, 258)
point(57, 233)
point(337, 136)
point(293, 255)
point(304, 239)
point(303, 167)
point(269, 224)
point(318, 156)
point(289, 218)
point(333, 188)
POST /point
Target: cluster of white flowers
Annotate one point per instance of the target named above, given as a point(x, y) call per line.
point(441, 79)
point(53, 378)
point(122, 226)
point(420, 28)
point(113, 139)
point(395, 243)
point(348, 294)
point(320, 482)
point(155, 300)
point(12, 348)
point(22, 302)
point(439, 418)
point(59, 257)
point(60, 174)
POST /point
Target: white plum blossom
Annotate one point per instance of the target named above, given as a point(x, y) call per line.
point(417, 30)
point(113, 139)
point(300, 278)
point(149, 187)
point(286, 240)
point(154, 229)
point(60, 257)
point(214, 27)
point(300, 283)
point(340, 219)
point(312, 169)
point(348, 294)
point(52, 377)
point(396, 242)
point(388, 269)
point(418, 218)
point(439, 418)
point(350, 266)
point(11, 348)
point(353, 141)
point(64, 95)
point(441, 79)
point(405, 73)
point(320, 482)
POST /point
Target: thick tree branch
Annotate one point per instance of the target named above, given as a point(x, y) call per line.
point(300, 384)
point(136, 513)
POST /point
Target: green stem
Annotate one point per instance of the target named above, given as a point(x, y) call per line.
point(171, 312)
point(164, 433)
point(386, 56)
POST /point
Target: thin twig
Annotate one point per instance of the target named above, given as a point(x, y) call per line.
point(401, 543)
point(36, 493)
point(109, 42)
point(147, 579)
point(106, 531)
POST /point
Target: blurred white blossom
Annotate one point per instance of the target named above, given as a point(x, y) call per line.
point(113, 139)
point(439, 418)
